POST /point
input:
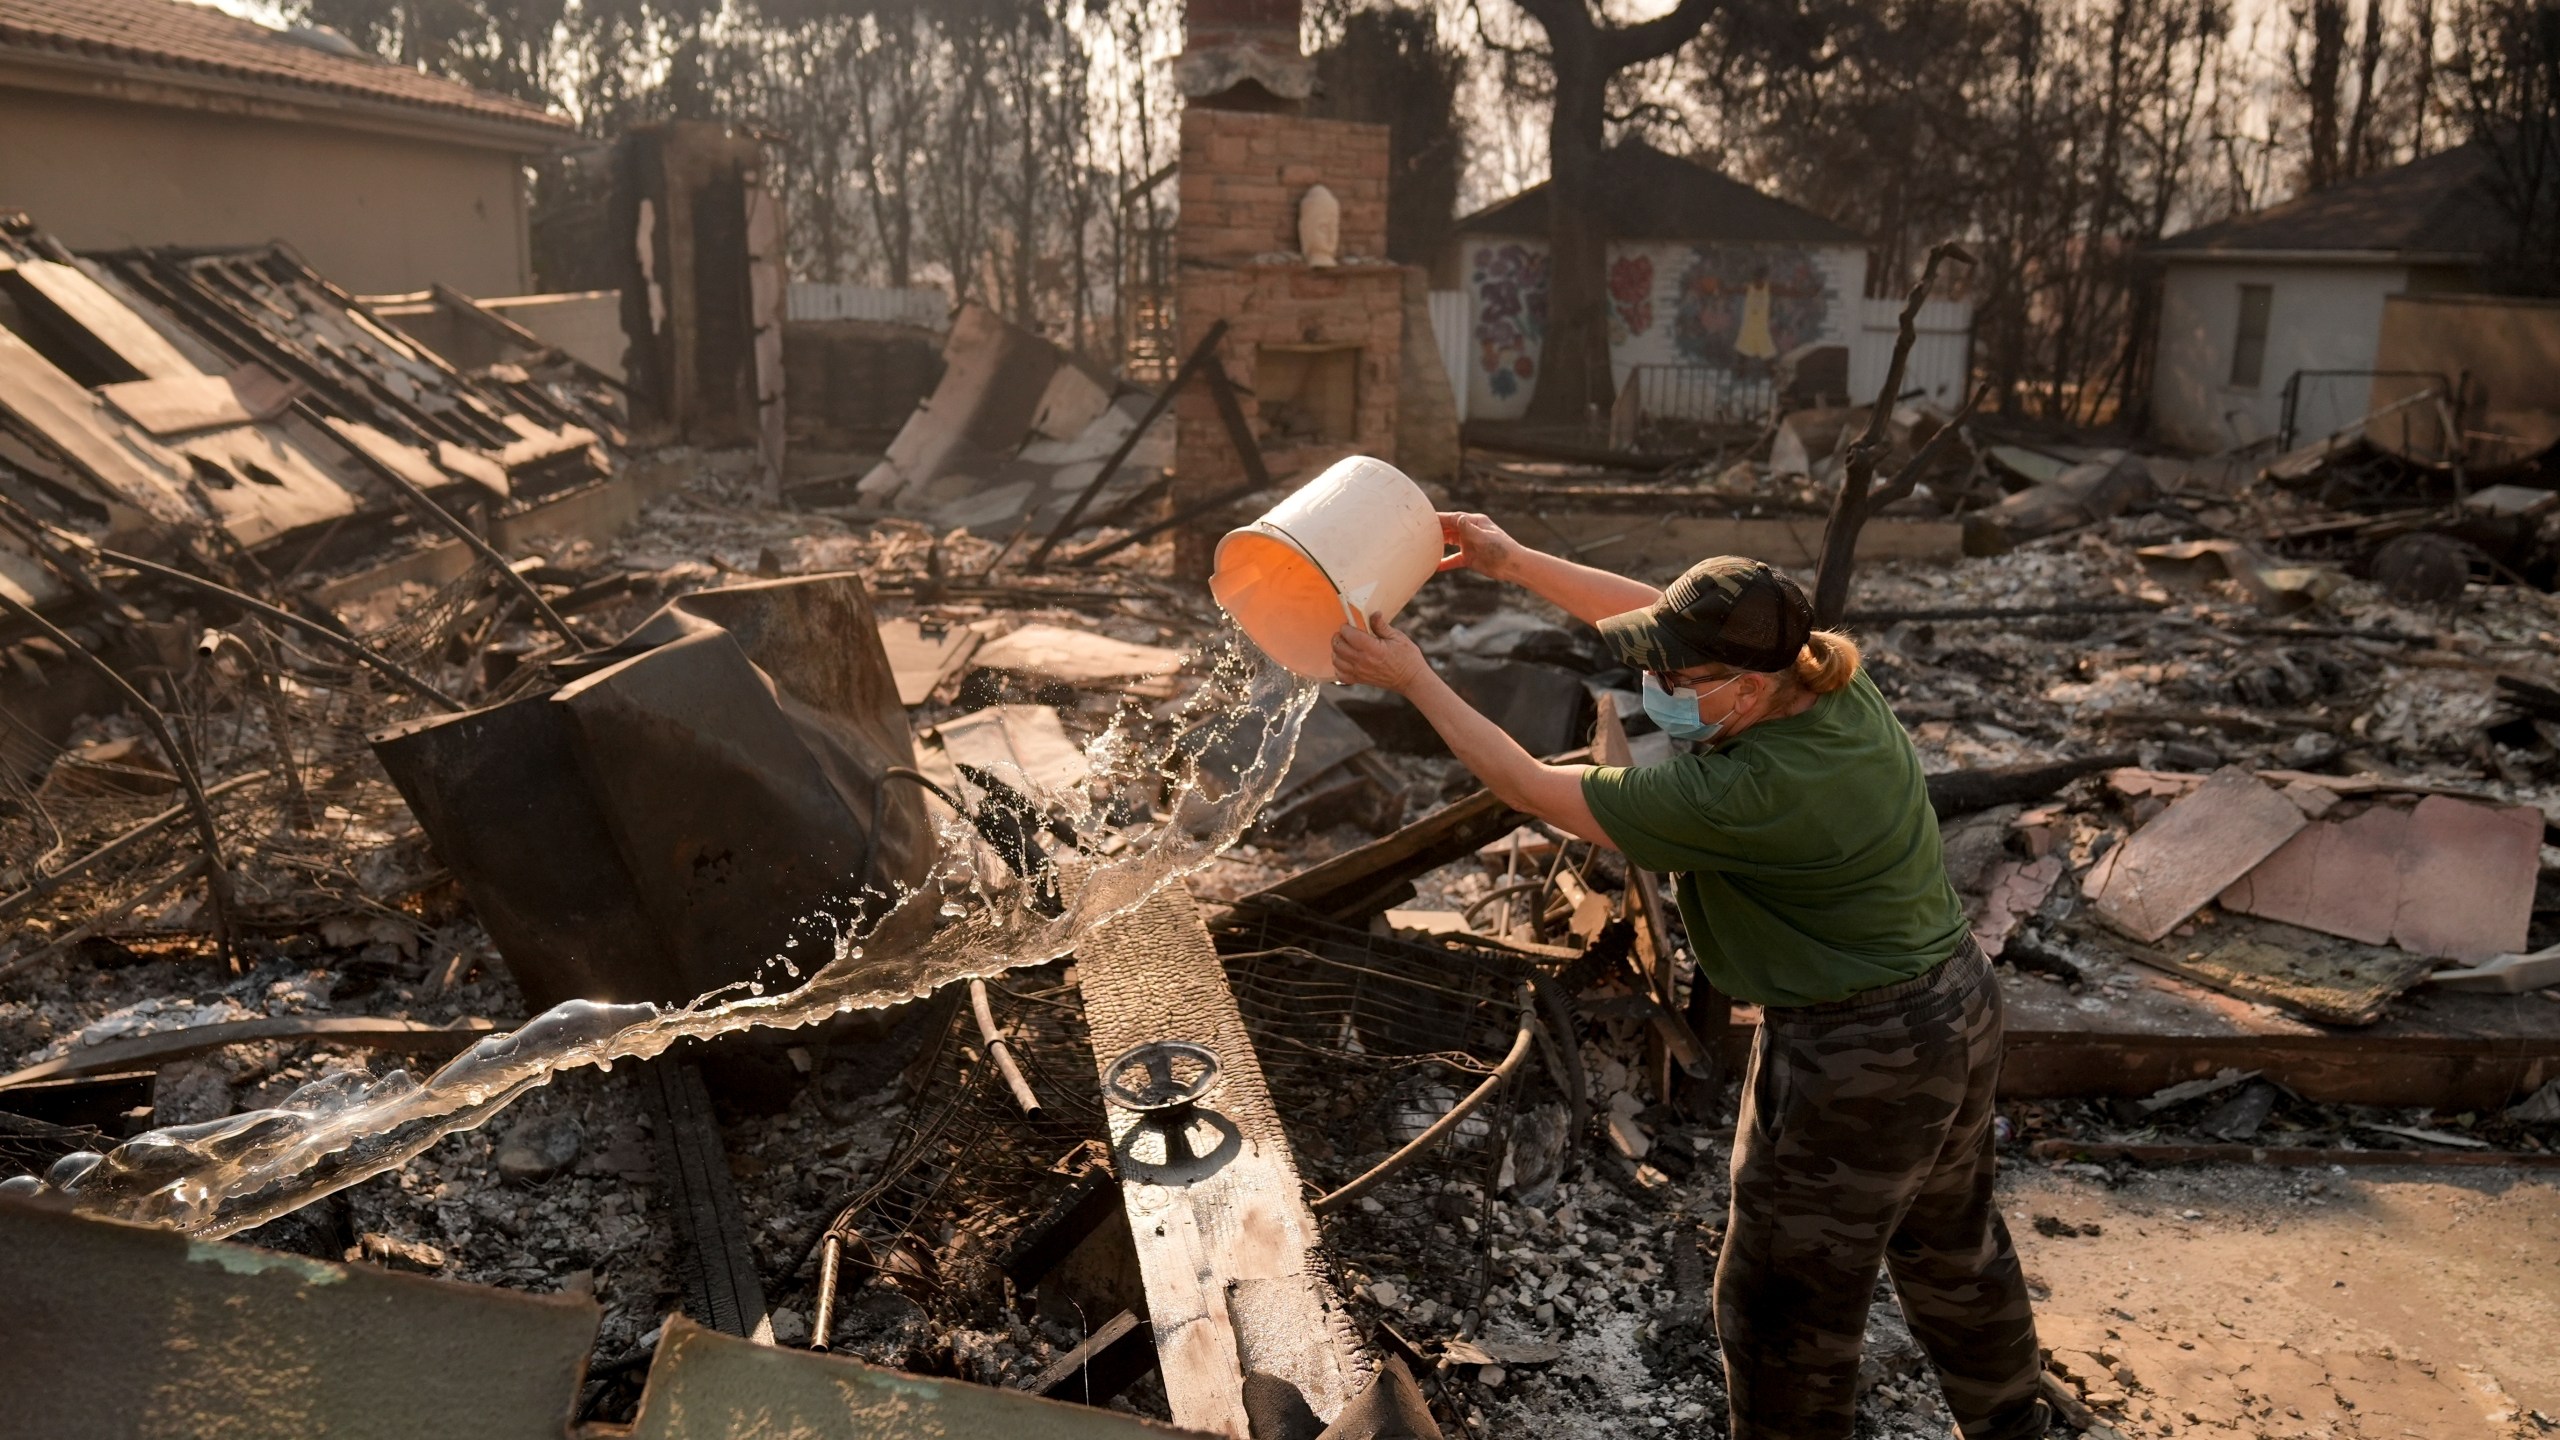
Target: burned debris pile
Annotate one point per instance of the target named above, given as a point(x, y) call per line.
point(362, 706)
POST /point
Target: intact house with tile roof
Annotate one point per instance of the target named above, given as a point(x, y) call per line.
point(128, 123)
point(2292, 298)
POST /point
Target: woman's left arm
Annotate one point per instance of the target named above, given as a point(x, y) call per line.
point(1385, 657)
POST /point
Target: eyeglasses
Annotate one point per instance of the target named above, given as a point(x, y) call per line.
point(1670, 679)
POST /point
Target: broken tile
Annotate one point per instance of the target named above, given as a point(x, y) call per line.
point(1004, 739)
point(2013, 891)
point(2202, 843)
point(2468, 891)
point(922, 659)
point(1075, 656)
point(2452, 878)
point(2341, 877)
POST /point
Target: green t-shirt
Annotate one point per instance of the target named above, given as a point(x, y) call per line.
point(1806, 851)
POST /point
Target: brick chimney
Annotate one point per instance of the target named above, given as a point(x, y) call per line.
point(1316, 351)
point(1243, 55)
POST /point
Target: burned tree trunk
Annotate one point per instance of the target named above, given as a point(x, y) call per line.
point(1855, 502)
point(1573, 363)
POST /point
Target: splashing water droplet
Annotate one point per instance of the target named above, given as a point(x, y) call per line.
point(228, 1175)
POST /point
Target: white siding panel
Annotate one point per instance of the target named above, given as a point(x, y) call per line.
point(1941, 350)
point(2321, 317)
point(1449, 326)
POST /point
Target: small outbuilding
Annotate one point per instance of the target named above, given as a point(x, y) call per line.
point(2270, 324)
point(1711, 284)
point(128, 123)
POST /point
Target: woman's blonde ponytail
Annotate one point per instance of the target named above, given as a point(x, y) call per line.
point(1828, 661)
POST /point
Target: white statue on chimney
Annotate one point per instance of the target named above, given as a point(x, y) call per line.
point(1320, 226)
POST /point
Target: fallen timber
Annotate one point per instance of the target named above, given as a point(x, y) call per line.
point(1245, 1321)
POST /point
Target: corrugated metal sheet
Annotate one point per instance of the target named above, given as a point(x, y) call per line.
point(923, 305)
point(1941, 356)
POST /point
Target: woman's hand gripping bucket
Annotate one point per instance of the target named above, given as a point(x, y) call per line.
point(1357, 540)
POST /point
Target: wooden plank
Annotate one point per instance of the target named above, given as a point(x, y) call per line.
point(109, 321)
point(1359, 882)
point(1225, 1242)
point(714, 1263)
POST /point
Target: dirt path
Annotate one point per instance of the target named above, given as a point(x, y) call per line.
point(2299, 1303)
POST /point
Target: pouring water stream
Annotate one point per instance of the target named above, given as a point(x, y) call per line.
point(227, 1175)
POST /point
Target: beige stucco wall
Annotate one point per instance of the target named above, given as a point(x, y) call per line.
point(374, 212)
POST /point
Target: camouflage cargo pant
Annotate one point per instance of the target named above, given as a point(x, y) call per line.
point(1865, 1137)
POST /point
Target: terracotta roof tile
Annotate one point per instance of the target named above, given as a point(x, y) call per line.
point(195, 39)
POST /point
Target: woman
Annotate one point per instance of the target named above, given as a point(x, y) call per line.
point(1811, 884)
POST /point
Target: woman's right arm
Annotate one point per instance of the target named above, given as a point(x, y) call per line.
point(1588, 594)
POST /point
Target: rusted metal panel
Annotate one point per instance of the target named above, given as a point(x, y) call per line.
point(127, 1331)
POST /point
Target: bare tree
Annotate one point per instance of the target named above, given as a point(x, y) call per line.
point(2508, 80)
point(1584, 54)
point(2316, 75)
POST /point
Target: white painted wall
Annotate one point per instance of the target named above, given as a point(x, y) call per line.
point(1941, 359)
point(1671, 303)
point(2321, 317)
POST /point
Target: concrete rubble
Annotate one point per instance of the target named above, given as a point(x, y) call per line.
point(487, 704)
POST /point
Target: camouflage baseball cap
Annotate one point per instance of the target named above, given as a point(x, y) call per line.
point(1728, 610)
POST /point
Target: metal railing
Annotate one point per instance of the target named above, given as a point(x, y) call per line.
point(1698, 395)
point(2288, 420)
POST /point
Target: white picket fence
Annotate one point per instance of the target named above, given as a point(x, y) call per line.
point(1941, 351)
point(1452, 331)
point(921, 305)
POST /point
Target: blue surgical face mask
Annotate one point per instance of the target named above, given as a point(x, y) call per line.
point(1675, 712)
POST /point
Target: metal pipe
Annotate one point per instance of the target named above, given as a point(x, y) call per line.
point(1386, 1169)
point(364, 654)
point(217, 875)
point(822, 1323)
point(1000, 1052)
point(262, 675)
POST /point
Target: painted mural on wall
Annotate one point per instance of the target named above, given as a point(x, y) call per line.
point(1731, 309)
point(1741, 308)
point(1630, 297)
point(1510, 284)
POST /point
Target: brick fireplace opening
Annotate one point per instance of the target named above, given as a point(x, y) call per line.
point(1309, 394)
point(1316, 352)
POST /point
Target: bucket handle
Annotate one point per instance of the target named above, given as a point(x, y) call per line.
point(1355, 608)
